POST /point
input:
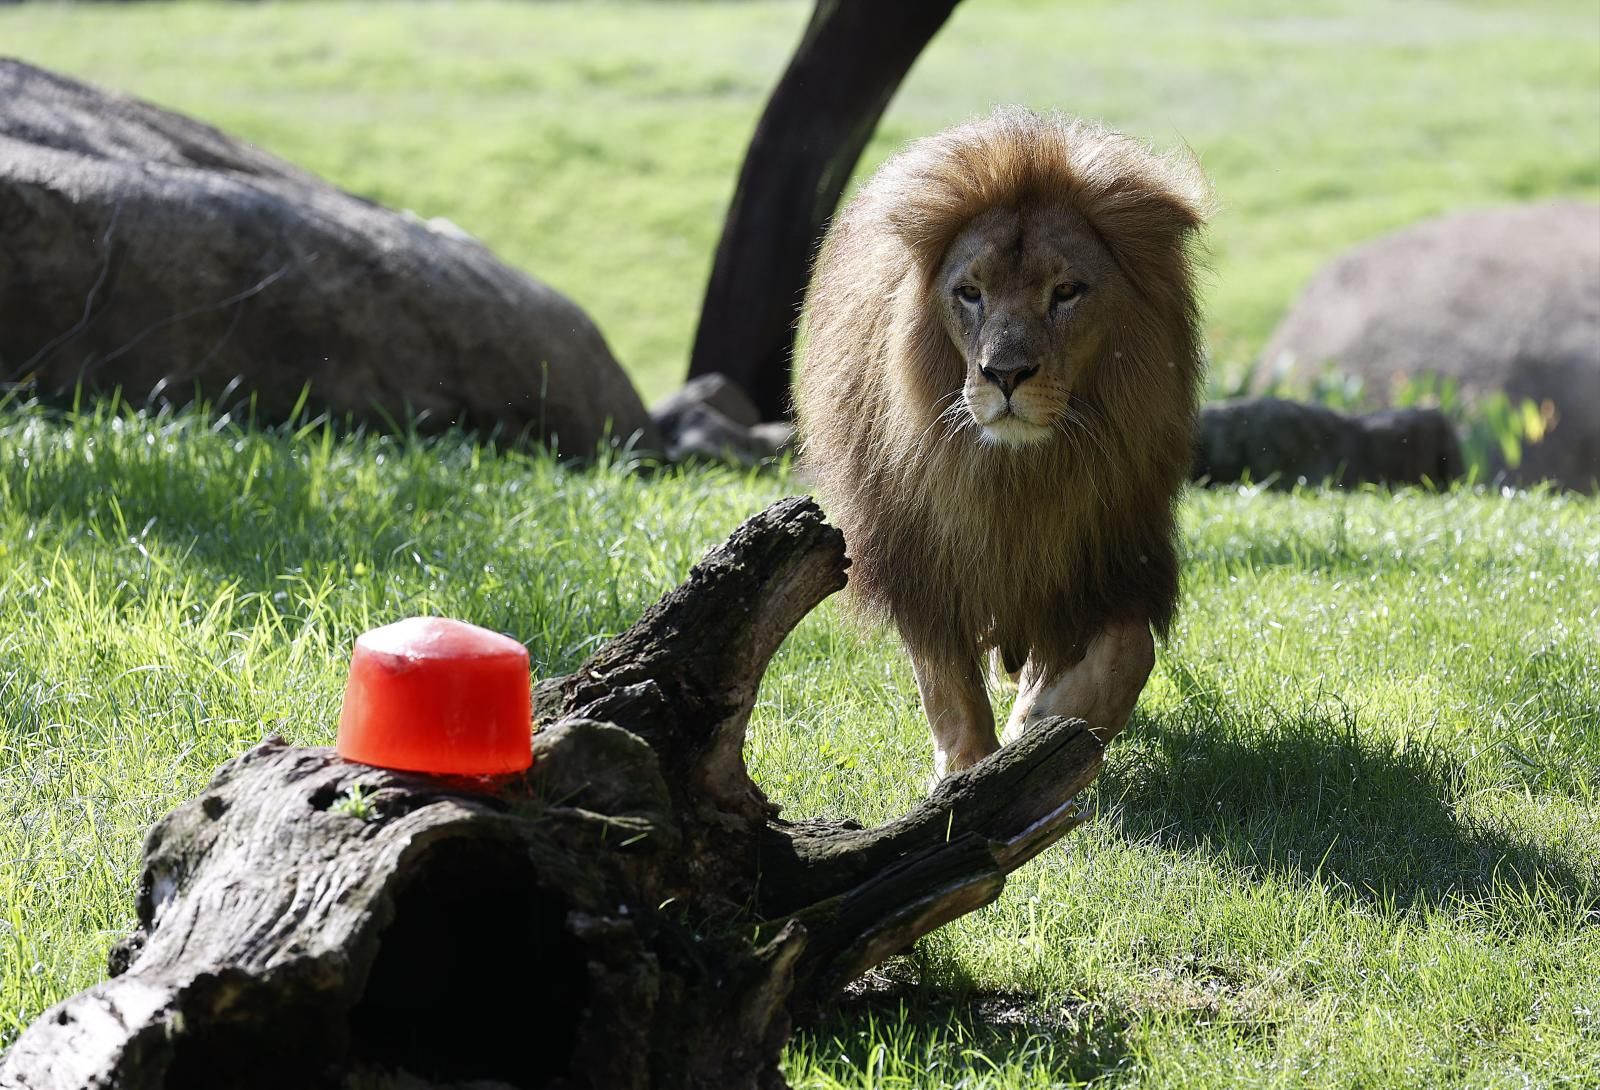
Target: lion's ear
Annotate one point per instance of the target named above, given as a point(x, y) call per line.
point(1188, 187)
point(1150, 219)
point(928, 214)
point(1177, 214)
point(1166, 197)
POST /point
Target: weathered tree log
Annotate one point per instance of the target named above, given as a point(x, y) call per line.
point(631, 913)
point(852, 57)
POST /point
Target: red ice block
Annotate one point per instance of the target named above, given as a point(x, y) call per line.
point(429, 694)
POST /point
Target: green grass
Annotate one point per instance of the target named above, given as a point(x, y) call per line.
point(597, 144)
point(1351, 839)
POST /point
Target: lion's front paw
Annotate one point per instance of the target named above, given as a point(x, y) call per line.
point(1016, 727)
point(947, 762)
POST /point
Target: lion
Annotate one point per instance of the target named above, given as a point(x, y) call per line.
point(996, 400)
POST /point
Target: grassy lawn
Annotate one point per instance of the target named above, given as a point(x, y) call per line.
point(1351, 839)
point(596, 144)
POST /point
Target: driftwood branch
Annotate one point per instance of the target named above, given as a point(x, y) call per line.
point(631, 913)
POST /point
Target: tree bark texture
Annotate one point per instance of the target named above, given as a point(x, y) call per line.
point(852, 57)
point(631, 913)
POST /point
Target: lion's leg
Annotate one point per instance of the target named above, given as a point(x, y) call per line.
point(1028, 684)
point(959, 714)
point(1101, 688)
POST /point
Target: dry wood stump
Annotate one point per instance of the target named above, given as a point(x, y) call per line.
point(632, 913)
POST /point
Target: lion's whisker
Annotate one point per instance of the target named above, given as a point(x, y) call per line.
point(952, 411)
point(1074, 438)
point(956, 420)
point(1072, 415)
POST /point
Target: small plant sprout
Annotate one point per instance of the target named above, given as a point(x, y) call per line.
point(358, 803)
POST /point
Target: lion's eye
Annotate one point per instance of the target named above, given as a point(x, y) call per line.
point(969, 292)
point(1066, 292)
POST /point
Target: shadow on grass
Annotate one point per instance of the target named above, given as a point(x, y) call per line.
point(889, 1030)
point(1314, 796)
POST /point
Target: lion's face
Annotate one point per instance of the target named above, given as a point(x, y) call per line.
point(1026, 297)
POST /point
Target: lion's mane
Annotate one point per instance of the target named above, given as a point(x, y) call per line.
point(968, 546)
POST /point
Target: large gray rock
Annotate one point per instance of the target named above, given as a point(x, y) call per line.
point(1285, 443)
point(141, 249)
point(1501, 300)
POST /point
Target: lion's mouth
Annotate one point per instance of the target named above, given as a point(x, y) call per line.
point(1002, 421)
point(1009, 429)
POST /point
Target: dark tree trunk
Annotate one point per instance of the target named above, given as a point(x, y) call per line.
point(850, 61)
point(630, 914)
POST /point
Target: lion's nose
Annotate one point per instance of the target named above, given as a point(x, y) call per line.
point(1009, 378)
